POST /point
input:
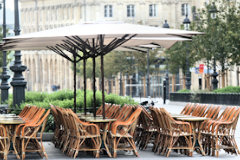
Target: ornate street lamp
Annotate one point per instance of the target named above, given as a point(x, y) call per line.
point(186, 23)
point(4, 84)
point(213, 14)
point(18, 82)
point(213, 11)
point(166, 25)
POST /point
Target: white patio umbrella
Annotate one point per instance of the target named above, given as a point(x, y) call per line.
point(95, 39)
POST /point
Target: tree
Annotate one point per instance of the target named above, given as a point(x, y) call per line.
point(220, 42)
point(177, 57)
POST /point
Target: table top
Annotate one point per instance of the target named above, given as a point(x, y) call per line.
point(183, 117)
point(192, 118)
point(98, 120)
point(11, 121)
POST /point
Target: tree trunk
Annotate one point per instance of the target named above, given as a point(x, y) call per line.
point(223, 79)
point(184, 81)
point(208, 86)
point(173, 83)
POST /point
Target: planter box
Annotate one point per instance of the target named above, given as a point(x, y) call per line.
point(212, 98)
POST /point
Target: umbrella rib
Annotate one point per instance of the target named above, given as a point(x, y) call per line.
point(86, 44)
point(54, 49)
point(135, 49)
point(72, 50)
point(58, 47)
point(70, 42)
point(78, 45)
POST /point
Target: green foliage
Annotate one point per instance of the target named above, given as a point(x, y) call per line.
point(184, 91)
point(115, 99)
point(65, 99)
point(221, 37)
point(229, 89)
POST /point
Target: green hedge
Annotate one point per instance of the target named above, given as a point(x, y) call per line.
point(184, 91)
point(229, 89)
point(65, 99)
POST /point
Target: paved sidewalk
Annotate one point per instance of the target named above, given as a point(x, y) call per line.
point(173, 107)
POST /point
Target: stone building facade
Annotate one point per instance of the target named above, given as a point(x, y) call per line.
point(46, 68)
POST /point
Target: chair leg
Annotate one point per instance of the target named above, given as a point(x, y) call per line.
point(114, 147)
point(170, 146)
point(134, 148)
point(23, 149)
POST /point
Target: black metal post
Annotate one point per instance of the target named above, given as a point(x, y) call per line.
point(166, 25)
point(94, 86)
point(186, 24)
point(85, 86)
point(103, 95)
point(164, 92)
point(148, 79)
point(120, 84)
point(188, 75)
point(4, 84)
point(213, 14)
point(18, 82)
point(75, 79)
point(214, 75)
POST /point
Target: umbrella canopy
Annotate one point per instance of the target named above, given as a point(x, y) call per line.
point(95, 39)
point(39, 40)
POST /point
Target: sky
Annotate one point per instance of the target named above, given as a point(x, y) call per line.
point(9, 12)
point(10, 4)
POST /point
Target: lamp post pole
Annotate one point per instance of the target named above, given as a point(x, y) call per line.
point(166, 25)
point(18, 82)
point(213, 15)
point(4, 84)
point(186, 23)
point(148, 78)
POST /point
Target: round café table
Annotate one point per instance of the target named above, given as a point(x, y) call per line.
point(10, 122)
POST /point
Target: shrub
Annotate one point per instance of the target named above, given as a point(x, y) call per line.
point(184, 91)
point(229, 89)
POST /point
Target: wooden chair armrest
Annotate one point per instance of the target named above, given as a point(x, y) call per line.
point(4, 130)
point(117, 124)
point(216, 126)
point(91, 125)
point(185, 126)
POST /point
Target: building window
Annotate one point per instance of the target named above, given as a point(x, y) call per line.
point(108, 12)
point(152, 10)
point(185, 9)
point(130, 10)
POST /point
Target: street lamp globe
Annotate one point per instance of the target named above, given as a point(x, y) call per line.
point(213, 11)
point(186, 23)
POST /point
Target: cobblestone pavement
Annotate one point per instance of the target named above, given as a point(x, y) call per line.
point(173, 107)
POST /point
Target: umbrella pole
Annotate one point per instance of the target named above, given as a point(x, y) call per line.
point(85, 86)
point(94, 86)
point(74, 83)
point(102, 72)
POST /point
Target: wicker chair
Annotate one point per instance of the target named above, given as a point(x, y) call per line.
point(4, 142)
point(148, 129)
point(28, 138)
point(177, 134)
point(57, 127)
point(83, 137)
point(219, 134)
point(122, 133)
